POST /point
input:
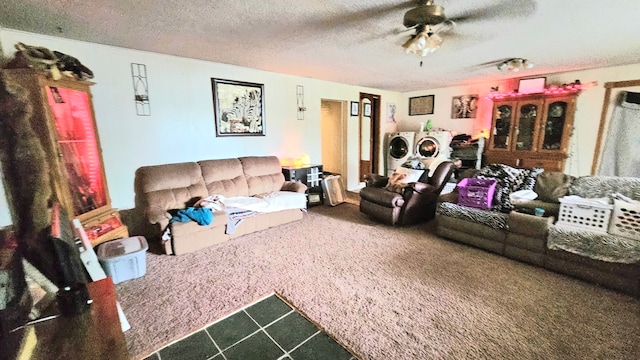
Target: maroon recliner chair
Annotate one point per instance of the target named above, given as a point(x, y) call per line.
point(416, 203)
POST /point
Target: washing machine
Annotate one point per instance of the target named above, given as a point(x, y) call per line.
point(433, 144)
point(399, 149)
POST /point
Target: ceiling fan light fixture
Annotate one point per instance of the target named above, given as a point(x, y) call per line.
point(515, 65)
point(423, 43)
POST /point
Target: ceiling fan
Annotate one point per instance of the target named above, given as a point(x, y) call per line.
point(429, 19)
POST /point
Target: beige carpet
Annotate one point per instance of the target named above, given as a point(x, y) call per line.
point(386, 293)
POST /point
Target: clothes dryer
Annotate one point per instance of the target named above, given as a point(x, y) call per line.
point(399, 149)
point(433, 144)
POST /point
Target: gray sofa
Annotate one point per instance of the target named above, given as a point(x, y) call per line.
point(161, 189)
point(543, 242)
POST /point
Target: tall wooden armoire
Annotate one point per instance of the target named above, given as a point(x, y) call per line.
point(532, 131)
point(53, 153)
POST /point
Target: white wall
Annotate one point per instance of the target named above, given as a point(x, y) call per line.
point(181, 126)
point(587, 117)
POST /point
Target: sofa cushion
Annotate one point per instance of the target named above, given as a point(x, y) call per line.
point(224, 177)
point(170, 186)
point(598, 246)
point(603, 186)
point(492, 219)
point(263, 174)
point(552, 185)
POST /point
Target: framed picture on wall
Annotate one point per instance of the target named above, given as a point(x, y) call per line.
point(421, 105)
point(532, 86)
point(464, 106)
point(238, 108)
point(354, 108)
point(367, 109)
point(391, 112)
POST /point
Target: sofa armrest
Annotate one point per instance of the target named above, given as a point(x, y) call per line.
point(294, 186)
point(422, 188)
point(157, 215)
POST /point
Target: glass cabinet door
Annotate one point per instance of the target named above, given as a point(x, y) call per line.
point(526, 130)
point(502, 120)
point(553, 126)
point(79, 149)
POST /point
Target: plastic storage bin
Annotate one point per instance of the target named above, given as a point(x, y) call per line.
point(477, 193)
point(124, 259)
point(594, 217)
point(625, 220)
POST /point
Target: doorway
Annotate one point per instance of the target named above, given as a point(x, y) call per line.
point(333, 134)
point(369, 134)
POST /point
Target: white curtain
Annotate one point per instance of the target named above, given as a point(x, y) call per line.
point(621, 154)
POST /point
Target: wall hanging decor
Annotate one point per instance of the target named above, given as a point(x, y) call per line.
point(300, 102)
point(391, 112)
point(141, 89)
point(464, 106)
point(532, 86)
point(354, 108)
point(366, 110)
point(421, 105)
point(238, 108)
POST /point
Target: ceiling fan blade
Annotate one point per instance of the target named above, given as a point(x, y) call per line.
point(504, 9)
point(362, 15)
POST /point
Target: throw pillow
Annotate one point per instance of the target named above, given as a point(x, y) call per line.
point(411, 174)
point(396, 182)
point(551, 186)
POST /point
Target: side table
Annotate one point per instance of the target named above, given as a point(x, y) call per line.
point(94, 334)
point(310, 175)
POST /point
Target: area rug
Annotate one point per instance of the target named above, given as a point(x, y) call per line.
point(385, 293)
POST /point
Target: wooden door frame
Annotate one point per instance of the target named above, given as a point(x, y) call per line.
point(374, 135)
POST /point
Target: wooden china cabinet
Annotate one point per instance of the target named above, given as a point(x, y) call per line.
point(531, 131)
point(64, 124)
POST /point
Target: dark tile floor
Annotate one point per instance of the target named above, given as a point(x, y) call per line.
point(267, 330)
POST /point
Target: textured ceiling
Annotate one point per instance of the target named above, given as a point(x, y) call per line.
point(354, 42)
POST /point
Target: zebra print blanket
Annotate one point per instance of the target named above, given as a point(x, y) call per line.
point(492, 219)
point(604, 247)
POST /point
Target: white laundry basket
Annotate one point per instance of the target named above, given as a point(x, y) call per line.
point(625, 220)
point(593, 217)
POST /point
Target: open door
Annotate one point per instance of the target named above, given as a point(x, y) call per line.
point(369, 134)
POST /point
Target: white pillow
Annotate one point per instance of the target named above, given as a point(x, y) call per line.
point(412, 175)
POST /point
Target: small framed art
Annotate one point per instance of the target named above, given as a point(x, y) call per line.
point(464, 106)
point(366, 111)
point(391, 113)
point(421, 105)
point(354, 108)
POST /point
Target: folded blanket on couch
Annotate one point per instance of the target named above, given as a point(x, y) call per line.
point(271, 202)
